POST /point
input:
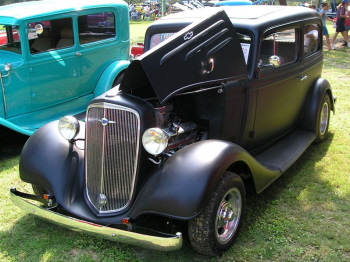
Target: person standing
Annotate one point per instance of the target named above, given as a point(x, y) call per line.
point(323, 14)
point(341, 16)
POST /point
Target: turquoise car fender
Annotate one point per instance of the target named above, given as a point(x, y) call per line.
point(112, 72)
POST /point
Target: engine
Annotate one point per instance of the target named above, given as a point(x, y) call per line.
point(179, 133)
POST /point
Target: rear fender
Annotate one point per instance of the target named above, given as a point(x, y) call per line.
point(309, 119)
point(108, 77)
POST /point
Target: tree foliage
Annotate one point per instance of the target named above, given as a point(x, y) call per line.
point(6, 2)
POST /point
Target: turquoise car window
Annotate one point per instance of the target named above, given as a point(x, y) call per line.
point(95, 27)
point(44, 36)
point(10, 38)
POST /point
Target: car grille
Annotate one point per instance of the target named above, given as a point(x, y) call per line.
point(112, 139)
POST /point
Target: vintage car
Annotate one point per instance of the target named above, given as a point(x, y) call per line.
point(230, 101)
point(55, 57)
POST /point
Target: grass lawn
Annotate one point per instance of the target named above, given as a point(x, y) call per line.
point(303, 216)
point(137, 30)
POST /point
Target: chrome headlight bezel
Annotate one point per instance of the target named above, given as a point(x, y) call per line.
point(69, 127)
point(155, 140)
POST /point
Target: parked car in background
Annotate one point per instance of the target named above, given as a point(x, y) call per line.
point(230, 101)
point(55, 57)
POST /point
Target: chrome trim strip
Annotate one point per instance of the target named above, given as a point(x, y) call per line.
point(173, 242)
point(3, 91)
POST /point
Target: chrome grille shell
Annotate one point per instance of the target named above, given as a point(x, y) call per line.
point(111, 153)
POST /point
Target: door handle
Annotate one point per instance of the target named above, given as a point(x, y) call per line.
point(77, 54)
point(302, 77)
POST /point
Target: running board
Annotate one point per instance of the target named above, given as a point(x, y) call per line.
point(287, 151)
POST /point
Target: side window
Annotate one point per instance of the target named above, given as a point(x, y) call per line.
point(96, 27)
point(311, 38)
point(10, 38)
point(49, 35)
point(245, 44)
point(278, 48)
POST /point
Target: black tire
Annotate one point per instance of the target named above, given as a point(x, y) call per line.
point(38, 191)
point(323, 116)
point(207, 232)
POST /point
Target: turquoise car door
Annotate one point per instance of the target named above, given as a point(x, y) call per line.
point(54, 77)
point(15, 85)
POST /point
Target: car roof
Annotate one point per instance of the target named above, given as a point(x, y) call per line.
point(32, 9)
point(255, 16)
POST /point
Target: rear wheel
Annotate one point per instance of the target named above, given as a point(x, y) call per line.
point(216, 228)
point(323, 119)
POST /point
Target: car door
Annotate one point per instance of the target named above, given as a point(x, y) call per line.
point(99, 47)
point(281, 87)
point(55, 72)
point(15, 85)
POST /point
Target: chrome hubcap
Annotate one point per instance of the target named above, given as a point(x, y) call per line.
point(228, 215)
point(324, 119)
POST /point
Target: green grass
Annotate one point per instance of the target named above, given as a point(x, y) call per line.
point(137, 31)
point(303, 216)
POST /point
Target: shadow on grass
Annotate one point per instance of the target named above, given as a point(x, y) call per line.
point(11, 144)
point(299, 176)
point(33, 239)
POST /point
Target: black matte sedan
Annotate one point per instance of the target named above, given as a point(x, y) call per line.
point(224, 99)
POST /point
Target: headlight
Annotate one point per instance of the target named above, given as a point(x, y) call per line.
point(155, 140)
point(68, 127)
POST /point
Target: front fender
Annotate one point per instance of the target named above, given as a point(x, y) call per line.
point(309, 119)
point(50, 161)
point(182, 186)
point(109, 75)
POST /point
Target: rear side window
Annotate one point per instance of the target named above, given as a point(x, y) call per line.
point(311, 38)
point(44, 36)
point(96, 27)
point(278, 46)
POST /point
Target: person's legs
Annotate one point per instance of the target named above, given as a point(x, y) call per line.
point(333, 40)
point(328, 43)
point(345, 36)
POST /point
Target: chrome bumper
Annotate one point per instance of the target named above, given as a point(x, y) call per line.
point(164, 243)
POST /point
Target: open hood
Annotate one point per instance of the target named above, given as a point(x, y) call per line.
point(205, 52)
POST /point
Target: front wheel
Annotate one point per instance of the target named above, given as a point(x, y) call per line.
point(323, 115)
point(216, 228)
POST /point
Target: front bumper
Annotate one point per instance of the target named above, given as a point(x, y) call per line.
point(163, 243)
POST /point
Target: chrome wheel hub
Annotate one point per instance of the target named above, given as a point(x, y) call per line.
point(228, 215)
point(324, 119)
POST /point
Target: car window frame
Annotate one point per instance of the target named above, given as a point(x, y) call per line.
point(267, 67)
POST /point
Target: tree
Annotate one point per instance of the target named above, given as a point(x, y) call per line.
point(283, 2)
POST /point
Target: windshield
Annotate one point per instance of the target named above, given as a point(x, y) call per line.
point(244, 39)
point(10, 38)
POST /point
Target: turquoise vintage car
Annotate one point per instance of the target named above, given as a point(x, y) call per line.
point(56, 56)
